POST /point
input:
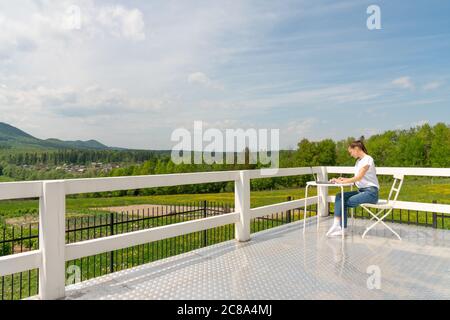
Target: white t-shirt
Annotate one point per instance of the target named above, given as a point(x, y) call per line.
point(370, 178)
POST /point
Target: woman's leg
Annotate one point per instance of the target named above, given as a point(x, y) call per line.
point(366, 196)
point(337, 206)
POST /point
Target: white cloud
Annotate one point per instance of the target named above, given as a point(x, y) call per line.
point(419, 123)
point(62, 22)
point(14, 38)
point(320, 97)
point(432, 85)
point(123, 22)
point(203, 79)
point(300, 127)
point(403, 82)
point(414, 124)
point(90, 101)
point(294, 131)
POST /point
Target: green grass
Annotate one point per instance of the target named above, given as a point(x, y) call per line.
point(6, 179)
point(417, 190)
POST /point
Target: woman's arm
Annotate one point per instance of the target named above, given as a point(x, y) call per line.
point(358, 177)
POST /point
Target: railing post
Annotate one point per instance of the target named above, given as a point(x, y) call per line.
point(205, 234)
point(434, 217)
point(52, 240)
point(111, 233)
point(242, 205)
point(288, 212)
point(322, 192)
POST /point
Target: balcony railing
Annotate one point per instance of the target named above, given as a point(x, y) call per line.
point(53, 252)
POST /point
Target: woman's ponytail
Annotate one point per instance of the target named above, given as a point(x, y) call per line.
point(359, 144)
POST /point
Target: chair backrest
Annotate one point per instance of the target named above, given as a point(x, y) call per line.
point(393, 194)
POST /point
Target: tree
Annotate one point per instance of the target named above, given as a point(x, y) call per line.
point(326, 152)
point(425, 134)
point(382, 148)
point(440, 146)
point(411, 150)
point(306, 154)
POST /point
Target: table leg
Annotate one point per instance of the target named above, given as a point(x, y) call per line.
point(317, 208)
point(304, 209)
point(342, 211)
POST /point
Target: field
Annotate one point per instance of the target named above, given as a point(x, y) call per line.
point(23, 211)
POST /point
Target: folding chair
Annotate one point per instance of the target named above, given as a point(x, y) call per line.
point(384, 205)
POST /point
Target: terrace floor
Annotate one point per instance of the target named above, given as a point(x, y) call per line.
point(282, 263)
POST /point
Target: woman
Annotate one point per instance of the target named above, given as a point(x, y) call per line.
point(366, 181)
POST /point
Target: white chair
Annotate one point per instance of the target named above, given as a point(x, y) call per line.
point(384, 205)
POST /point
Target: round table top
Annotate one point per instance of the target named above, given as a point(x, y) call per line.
point(331, 184)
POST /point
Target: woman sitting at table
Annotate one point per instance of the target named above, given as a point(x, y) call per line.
point(365, 180)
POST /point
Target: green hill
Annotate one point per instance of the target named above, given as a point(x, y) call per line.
point(14, 138)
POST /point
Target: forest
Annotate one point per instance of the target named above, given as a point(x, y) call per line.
point(420, 146)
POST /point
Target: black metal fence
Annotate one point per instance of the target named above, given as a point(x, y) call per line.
point(20, 238)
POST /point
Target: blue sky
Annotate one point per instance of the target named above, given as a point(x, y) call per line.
point(134, 71)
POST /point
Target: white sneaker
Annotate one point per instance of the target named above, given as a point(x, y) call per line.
point(338, 232)
point(332, 229)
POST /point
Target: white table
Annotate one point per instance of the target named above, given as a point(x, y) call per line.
point(331, 184)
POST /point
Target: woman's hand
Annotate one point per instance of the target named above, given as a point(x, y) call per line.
point(338, 180)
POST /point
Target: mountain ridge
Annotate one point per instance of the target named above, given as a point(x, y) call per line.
point(15, 138)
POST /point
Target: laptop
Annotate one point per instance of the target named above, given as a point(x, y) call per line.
point(319, 181)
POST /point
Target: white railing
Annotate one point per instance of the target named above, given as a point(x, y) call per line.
point(53, 252)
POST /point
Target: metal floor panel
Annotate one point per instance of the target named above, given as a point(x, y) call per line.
point(284, 263)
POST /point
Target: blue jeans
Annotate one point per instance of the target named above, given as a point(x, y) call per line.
point(354, 198)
